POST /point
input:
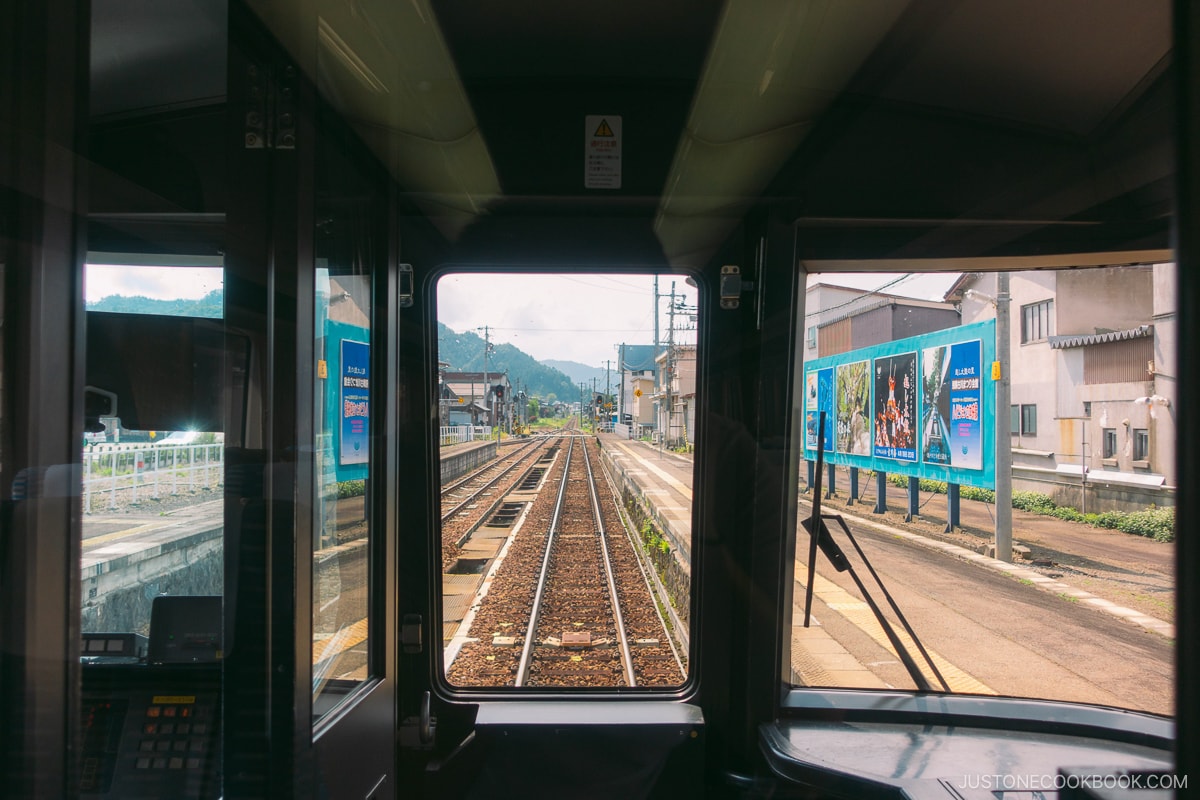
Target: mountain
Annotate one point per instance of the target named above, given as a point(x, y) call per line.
point(209, 306)
point(582, 373)
point(464, 353)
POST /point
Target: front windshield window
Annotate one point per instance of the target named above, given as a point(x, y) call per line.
point(568, 409)
point(903, 371)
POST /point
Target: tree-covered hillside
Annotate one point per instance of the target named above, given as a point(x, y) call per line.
point(464, 353)
point(209, 306)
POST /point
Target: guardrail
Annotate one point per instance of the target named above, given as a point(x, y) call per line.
point(457, 434)
point(128, 475)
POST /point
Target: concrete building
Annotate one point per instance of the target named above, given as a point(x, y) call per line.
point(1092, 356)
point(675, 395)
point(637, 376)
point(472, 400)
point(839, 319)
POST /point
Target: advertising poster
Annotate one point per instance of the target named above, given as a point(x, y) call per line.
point(896, 407)
point(854, 408)
point(935, 405)
point(952, 432)
point(355, 407)
point(818, 397)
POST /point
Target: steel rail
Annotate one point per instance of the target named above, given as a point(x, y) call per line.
point(463, 504)
point(544, 574)
point(518, 455)
point(622, 637)
point(654, 586)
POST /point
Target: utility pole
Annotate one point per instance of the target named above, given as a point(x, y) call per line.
point(1003, 423)
point(608, 388)
point(621, 384)
point(487, 386)
point(669, 364)
point(656, 315)
point(581, 385)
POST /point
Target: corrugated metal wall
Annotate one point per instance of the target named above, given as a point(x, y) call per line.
point(1118, 362)
point(872, 327)
point(834, 338)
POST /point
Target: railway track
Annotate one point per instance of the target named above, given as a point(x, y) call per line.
point(476, 498)
point(568, 604)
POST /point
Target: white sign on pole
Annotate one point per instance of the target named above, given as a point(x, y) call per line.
point(602, 152)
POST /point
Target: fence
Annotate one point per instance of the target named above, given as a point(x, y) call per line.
point(457, 434)
point(126, 476)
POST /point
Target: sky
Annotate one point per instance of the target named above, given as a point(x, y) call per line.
point(921, 286)
point(581, 318)
point(157, 283)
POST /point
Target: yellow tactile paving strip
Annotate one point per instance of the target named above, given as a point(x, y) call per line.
point(93, 541)
point(347, 637)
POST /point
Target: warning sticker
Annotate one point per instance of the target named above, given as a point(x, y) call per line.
point(602, 152)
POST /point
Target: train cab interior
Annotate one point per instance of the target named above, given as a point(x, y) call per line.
point(331, 173)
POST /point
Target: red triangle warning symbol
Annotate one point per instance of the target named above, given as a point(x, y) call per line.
point(604, 130)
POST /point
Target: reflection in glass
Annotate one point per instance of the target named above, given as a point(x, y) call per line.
point(341, 556)
point(152, 498)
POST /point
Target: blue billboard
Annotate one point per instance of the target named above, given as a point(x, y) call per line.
point(918, 406)
point(356, 403)
point(347, 390)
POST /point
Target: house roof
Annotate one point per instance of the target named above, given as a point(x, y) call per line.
point(1084, 340)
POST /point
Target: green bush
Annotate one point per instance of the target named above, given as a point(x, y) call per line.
point(351, 489)
point(976, 493)
point(1036, 502)
point(1067, 513)
point(1154, 523)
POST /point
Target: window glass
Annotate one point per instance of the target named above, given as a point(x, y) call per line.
point(347, 246)
point(1141, 444)
point(152, 451)
point(583, 581)
point(1028, 420)
point(923, 403)
point(1035, 321)
point(1110, 442)
point(341, 554)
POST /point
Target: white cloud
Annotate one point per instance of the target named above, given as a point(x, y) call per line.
point(158, 283)
point(574, 318)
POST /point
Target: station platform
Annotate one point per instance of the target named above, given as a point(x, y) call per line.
point(662, 479)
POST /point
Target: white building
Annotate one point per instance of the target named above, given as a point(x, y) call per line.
point(1092, 376)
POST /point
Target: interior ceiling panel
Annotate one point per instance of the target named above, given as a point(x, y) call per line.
point(882, 128)
point(534, 71)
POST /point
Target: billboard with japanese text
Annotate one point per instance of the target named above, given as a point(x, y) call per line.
point(920, 406)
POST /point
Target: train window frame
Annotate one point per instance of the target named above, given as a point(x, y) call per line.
point(518, 705)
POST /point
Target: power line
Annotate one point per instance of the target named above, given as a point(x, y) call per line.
point(854, 300)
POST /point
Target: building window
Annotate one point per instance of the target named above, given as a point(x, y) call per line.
point(1087, 408)
point(812, 336)
point(1141, 444)
point(1014, 420)
point(1035, 321)
point(1029, 420)
point(1110, 443)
